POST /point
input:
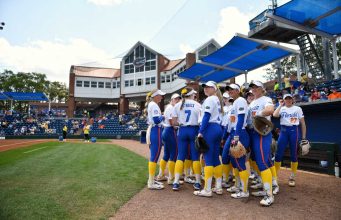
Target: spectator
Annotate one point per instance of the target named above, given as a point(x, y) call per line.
point(287, 85)
point(276, 87)
point(334, 94)
point(302, 94)
point(304, 79)
point(326, 91)
point(315, 95)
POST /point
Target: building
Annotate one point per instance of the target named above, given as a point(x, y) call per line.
point(142, 70)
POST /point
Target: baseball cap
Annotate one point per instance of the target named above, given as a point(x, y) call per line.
point(226, 95)
point(175, 95)
point(210, 84)
point(158, 92)
point(287, 95)
point(233, 86)
point(256, 83)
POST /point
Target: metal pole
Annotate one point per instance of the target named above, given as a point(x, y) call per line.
point(335, 59)
point(279, 73)
point(245, 78)
point(299, 68)
point(326, 58)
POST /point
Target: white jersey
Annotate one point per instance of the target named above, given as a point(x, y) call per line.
point(168, 113)
point(212, 106)
point(189, 114)
point(257, 105)
point(227, 109)
point(229, 126)
point(153, 111)
point(239, 107)
point(290, 116)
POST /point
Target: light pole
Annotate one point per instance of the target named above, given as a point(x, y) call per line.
point(2, 24)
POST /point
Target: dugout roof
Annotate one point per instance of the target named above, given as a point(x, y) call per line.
point(240, 55)
point(3, 97)
point(321, 15)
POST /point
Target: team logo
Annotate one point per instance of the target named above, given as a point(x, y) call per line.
point(139, 62)
point(241, 108)
point(156, 111)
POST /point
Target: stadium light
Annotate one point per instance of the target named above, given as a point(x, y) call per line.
point(2, 24)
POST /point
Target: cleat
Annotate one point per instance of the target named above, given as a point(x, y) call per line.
point(232, 189)
point(239, 195)
point(161, 178)
point(259, 193)
point(203, 193)
point(176, 186)
point(154, 186)
point(291, 182)
point(255, 181)
point(257, 186)
point(181, 182)
point(218, 191)
point(189, 180)
point(252, 176)
point(275, 189)
point(158, 183)
point(267, 200)
point(197, 186)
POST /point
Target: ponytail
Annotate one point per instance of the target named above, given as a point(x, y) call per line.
point(148, 100)
point(184, 93)
point(220, 97)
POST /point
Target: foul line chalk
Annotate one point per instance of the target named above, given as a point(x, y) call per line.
point(34, 150)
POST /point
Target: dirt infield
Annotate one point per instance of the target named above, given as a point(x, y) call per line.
point(316, 196)
point(16, 143)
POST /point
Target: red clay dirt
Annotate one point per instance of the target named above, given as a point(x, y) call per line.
point(16, 143)
point(316, 196)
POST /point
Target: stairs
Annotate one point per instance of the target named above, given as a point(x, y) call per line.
point(310, 56)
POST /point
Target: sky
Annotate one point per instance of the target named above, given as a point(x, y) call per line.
point(48, 36)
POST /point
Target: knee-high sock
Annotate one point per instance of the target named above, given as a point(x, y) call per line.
point(171, 167)
point(237, 177)
point(197, 171)
point(208, 177)
point(278, 166)
point(225, 171)
point(294, 166)
point(151, 169)
point(244, 177)
point(255, 167)
point(179, 167)
point(187, 167)
point(218, 174)
point(274, 175)
point(162, 168)
point(267, 180)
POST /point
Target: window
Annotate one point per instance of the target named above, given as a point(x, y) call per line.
point(114, 86)
point(139, 51)
point(126, 83)
point(118, 84)
point(86, 84)
point(150, 65)
point(139, 69)
point(131, 82)
point(207, 51)
point(139, 82)
point(129, 59)
point(168, 78)
point(93, 84)
point(147, 81)
point(129, 68)
point(100, 84)
point(107, 85)
point(163, 79)
point(79, 83)
point(150, 55)
point(152, 80)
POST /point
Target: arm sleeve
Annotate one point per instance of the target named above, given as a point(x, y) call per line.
point(226, 133)
point(239, 125)
point(204, 122)
point(158, 119)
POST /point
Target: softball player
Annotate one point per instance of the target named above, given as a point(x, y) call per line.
point(261, 145)
point(238, 117)
point(290, 117)
point(169, 141)
point(210, 129)
point(186, 115)
point(155, 121)
point(226, 165)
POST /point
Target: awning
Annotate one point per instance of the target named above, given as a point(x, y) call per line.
point(3, 97)
point(240, 55)
point(324, 16)
point(26, 96)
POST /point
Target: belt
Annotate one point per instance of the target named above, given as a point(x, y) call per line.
point(160, 126)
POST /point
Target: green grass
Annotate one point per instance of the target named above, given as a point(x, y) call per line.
point(68, 180)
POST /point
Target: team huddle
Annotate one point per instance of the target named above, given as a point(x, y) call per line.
point(237, 147)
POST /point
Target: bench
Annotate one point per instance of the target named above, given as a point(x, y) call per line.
point(319, 151)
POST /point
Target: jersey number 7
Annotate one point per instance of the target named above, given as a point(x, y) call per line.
point(188, 112)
